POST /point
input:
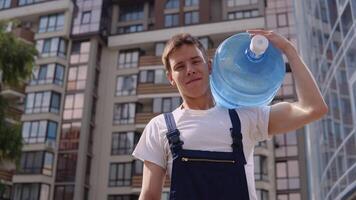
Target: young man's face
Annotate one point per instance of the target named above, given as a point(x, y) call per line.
point(189, 71)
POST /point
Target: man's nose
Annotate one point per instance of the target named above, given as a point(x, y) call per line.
point(190, 69)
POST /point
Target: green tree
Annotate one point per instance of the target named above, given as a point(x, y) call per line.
point(16, 61)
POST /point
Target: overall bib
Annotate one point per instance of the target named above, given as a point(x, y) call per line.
point(207, 175)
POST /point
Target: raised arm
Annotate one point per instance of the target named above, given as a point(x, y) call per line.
point(310, 104)
point(152, 181)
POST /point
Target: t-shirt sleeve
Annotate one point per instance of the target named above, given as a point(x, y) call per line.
point(151, 146)
point(259, 120)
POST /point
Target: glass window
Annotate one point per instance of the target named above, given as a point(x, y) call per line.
point(5, 4)
point(64, 192)
point(188, 3)
point(73, 106)
point(159, 48)
point(346, 20)
point(41, 102)
point(86, 17)
point(77, 77)
point(126, 85)
point(123, 143)
point(332, 11)
point(123, 197)
point(124, 113)
point(66, 167)
point(232, 3)
point(128, 59)
point(131, 13)
point(130, 29)
point(172, 4)
point(191, 17)
point(39, 131)
point(262, 194)
point(120, 174)
point(30, 191)
point(287, 175)
point(261, 168)
point(282, 19)
point(80, 52)
point(166, 104)
point(51, 47)
point(70, 134)
point(36, 162)
point(171, 20)
point(48, 74)
point(286, 145)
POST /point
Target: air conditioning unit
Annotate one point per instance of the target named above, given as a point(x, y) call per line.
point(51, 144)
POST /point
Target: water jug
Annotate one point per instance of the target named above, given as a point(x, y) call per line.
point(246, 71)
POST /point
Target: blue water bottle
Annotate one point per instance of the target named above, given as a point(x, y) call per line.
point(246, 71)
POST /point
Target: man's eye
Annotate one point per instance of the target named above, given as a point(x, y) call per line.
point(179, 67)
point(196, 61)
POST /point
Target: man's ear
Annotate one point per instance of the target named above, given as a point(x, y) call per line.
point(169, 77)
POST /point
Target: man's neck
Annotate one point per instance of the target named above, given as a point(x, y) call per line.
point(202, 103)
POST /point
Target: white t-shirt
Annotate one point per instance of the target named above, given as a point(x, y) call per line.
point(206, 130)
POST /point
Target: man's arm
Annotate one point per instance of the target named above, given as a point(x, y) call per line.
point(152, 181)
point(310, 105)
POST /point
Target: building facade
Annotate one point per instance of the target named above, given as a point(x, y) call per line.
point(328, 40)
point(99, 79)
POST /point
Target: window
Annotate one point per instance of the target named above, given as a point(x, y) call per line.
point(123, 197)
point(261, 167)
point(289, 196)
point(52, 47)
point(166, 104)
point(5, 4)
point(80, 52)
point(159, 47)
point(124, 113)
point(27, 2)
point(282, 19)
point(191, 17)
point(286, 145)
point(130, 29)
point(48, 74)
point(287, 175)
point(41, 102)
point(39, 131)
point(131, 13)
point(138, 167)
point(123, 143)
point(86, 17)
point(188, 3)
point(36, 163)
point(287, 88)
point(206, 42)
point(346, 20)
point(64, 192)
point(120, 174)
point(73, 106)
point(31, 191)
point(50, 23)
point(128, 59)
point(242, 14)
point(77, 77)
point(157, 76)
point(232, 3)
point(126, 85)
point(69, 139)
point(172, 4)
point(171, 20)
point(66, 167)
point(262, 194)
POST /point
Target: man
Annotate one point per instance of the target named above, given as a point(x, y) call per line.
point(207, 150)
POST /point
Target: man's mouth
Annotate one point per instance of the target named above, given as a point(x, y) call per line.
point(193, 80)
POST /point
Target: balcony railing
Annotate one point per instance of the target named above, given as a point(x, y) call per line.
point(144, 118)
point(149, 61)
point(150, 88)
point(24, 34)
point(137, 181)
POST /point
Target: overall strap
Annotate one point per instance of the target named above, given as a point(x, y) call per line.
point(172, 135)
point(236, 135)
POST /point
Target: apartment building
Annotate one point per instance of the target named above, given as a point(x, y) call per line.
point(99, 79)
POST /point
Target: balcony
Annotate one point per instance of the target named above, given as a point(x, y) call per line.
point(137, 181)
point(25, 34)
point(13, 113)
point(144, 118)
point(150, 88)
point(150, 61)
point(13, 92)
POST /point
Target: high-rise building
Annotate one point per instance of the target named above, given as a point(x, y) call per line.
point(99, 79)
point(327, 36)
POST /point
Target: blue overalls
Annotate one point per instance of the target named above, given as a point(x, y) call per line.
point(207, 175)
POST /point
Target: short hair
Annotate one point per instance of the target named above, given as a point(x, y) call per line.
point(176, 42)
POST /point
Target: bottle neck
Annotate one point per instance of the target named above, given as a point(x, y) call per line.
point(251, 56)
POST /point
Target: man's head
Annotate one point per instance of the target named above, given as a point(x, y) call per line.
point(187, 65)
